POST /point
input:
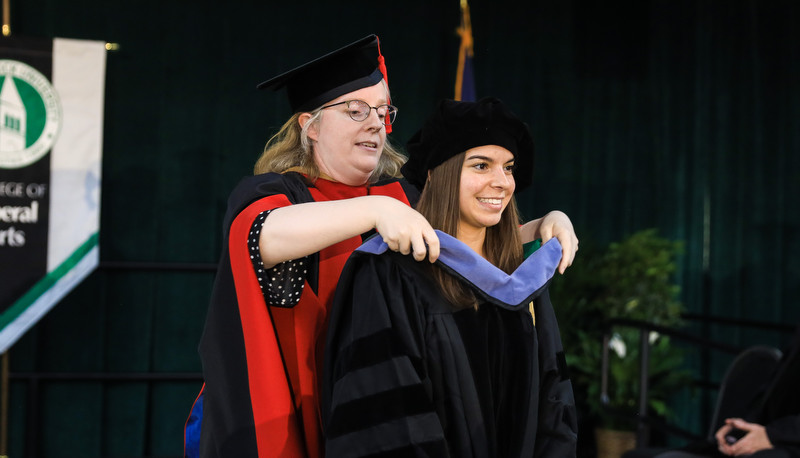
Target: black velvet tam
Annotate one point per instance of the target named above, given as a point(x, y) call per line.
point(311, 85)
point(457, 126)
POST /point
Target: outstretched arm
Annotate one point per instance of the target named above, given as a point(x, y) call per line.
point(554, 224)
point(299, 230)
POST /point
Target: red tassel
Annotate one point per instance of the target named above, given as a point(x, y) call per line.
point(382, 67)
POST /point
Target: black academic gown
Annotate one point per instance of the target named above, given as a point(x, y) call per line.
point(406, 374)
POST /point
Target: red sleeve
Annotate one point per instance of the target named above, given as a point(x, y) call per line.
point(248, 408)
point(269, 392)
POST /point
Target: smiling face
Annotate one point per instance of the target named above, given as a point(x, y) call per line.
point(487, 186)
point(345, 150)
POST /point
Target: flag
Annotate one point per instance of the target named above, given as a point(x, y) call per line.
point(51, 133)
point(465, 81)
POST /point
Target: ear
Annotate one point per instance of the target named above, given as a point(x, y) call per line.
point(312, 129)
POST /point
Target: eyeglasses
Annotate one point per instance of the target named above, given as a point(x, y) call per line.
point(359, 110)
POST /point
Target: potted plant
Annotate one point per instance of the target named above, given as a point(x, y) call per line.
point(631, 279)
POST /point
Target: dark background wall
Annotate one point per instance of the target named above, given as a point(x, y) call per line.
point(679, 115)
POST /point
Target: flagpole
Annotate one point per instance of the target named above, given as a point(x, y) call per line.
point(4, 406)
point(465, 31)
point(6, 18)
point(4, 360)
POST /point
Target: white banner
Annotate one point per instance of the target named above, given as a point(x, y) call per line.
point(61, 123)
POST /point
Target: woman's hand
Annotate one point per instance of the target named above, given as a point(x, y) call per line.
point(554, 224)
point(405, 230)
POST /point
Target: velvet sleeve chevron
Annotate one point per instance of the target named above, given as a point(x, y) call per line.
point(377, 398)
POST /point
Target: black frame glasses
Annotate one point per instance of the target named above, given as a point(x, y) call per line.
point(361, 115)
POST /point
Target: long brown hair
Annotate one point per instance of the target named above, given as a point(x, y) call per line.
point(439, 204)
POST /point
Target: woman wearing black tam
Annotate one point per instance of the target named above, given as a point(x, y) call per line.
point(327, 177)
point(462, 357)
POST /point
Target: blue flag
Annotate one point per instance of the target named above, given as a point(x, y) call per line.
point(465, 80)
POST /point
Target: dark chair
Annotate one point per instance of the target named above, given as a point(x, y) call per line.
point(745, 379)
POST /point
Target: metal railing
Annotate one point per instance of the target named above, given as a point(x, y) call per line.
point(644, 421)
point(34, 380)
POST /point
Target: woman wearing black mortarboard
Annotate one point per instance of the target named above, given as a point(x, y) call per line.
point(326, 178)
point(461, 358)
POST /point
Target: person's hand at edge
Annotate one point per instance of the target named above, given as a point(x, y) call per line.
point(754, 440)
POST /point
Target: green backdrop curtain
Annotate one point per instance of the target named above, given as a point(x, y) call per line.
point(679, 115)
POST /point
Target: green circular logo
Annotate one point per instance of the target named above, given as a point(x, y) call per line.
point(30, 114)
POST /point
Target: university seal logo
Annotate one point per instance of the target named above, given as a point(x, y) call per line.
point(30, 114)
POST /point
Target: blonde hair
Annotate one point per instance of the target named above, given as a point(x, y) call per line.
point(439, 204)
point(292, 150)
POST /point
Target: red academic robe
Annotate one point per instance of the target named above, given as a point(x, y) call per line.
point(251, 350)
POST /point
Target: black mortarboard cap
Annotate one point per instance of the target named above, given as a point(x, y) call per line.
point(455, 127)
point(311, 85)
